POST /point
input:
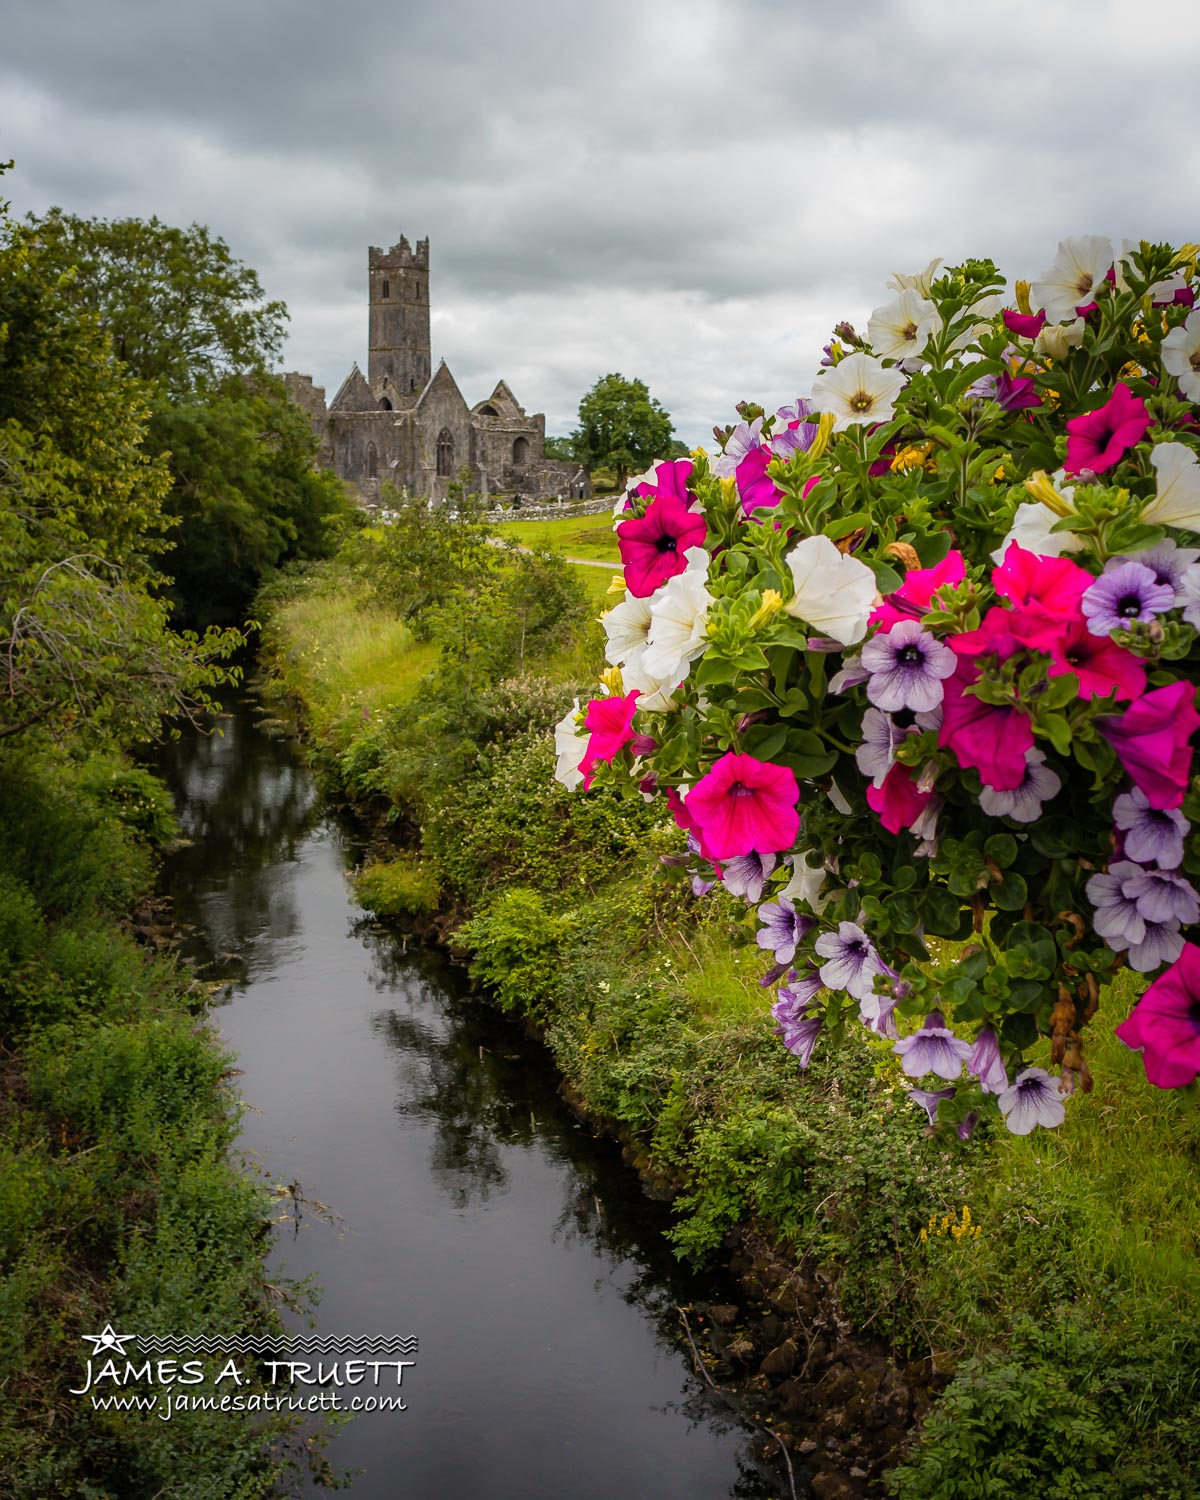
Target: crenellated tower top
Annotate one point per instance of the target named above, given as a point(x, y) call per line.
point(398, 344)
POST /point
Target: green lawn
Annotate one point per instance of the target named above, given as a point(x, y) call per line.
point(575, 536)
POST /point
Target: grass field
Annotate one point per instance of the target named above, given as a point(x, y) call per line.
point(575, 536)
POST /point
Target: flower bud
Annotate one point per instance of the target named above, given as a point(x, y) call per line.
point(1023, 303)
point(1042, 488)
point(772, 603)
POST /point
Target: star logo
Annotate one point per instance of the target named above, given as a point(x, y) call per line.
point(107, 1341)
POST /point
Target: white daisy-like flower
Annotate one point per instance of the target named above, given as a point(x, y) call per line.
point(1056, 339)
point(1181, 355)
point(901, 329)
point(919, 283)
point(626, 625)
point(570, 747)
point(1080, 266)
point(679, 620)
point(1177, 502)
point(857, 390)
point(832, 591)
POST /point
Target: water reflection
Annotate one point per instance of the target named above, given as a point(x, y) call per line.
point(481, 1215)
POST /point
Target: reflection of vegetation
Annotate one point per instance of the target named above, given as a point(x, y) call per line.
point(245, 805)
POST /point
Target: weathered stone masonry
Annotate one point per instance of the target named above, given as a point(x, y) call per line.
point(407, 423)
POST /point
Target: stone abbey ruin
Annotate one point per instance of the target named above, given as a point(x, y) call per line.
point(406, 423)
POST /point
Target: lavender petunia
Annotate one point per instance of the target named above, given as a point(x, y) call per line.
point(1023, 803)
point(929, 1099)
point(1122, 924)
point(799, 1031)
point(908, 667)
point(852, 674)
point(933, 1049)
point(1189, 596)
point(803, 986)
point(880, 736)
point(746, 874)
point(851, 962)
point(987, 1064)
point(795, 433)
point(965, 1128)
point(745, 438)
point(1034, 1099)
point(1163, 896)
point(1152, 835)
point(1130, 592)
point(1169, 564)
point(783, 927)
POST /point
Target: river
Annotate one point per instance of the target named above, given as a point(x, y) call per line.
point(475, 1212)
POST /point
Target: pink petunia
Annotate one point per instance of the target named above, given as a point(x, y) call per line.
point(610, 721)
point(1024, 325)
point(1165, 1023)
point(755, 488)
point(653, 546)
point(1151, 740)
point(1046, 593)
point(984, 736)
point(914, 596)
point(1101, 438)
point(744, 805)
point(1101, 666)
point(898, 801)
point(670, 477)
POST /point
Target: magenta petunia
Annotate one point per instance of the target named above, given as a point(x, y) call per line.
point(1151, 740)
point(745, 804)
point(755, 488)
point(1054, 585)
point(610, 721)
point(1165, 1023)
point(1101, 438)
point(983, 736)
point(1101, 666)
point(898, 801)
point(1016, 392)
point(1024, 325)
point(671, 477)
point(914, 596)
point(653, 546)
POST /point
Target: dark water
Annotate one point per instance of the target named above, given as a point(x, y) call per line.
point(478, 1214)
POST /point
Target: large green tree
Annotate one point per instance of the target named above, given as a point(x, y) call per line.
point(195, 331)
point(84, 638)
point(621, 427)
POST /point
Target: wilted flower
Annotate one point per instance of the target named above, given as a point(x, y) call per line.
point(929, 1099)
point(987, 1064)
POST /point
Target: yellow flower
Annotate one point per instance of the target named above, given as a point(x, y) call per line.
point(617, 586)
point(772, 603)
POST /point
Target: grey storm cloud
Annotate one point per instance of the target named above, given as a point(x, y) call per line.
point(692, 191)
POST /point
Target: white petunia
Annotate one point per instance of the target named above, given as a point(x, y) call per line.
point(1181, 355)
point(1177, 502)
point(805, 885)
point(833, 591)
point(858, 389)
point(1079, 267)
point(901, 329)
point(626, 625)
point(984, 311)
point(679, 620)
point(655, 694)
point(1030, 529)
point(921, 282)
point(570, 746)
point(1057, 339)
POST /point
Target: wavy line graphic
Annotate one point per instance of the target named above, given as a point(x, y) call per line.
point(295, 1344)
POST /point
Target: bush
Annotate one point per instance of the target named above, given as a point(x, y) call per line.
point(399, 887)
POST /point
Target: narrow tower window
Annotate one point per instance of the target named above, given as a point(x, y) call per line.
point(445, 453)
point(372, 462)
point(387, 290)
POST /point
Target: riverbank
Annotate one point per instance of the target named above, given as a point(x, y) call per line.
point(1036, 1291)
point(122, 1200)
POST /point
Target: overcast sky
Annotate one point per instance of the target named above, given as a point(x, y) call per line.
point(689, 191)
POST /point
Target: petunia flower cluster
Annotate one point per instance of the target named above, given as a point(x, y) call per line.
point(912, 662)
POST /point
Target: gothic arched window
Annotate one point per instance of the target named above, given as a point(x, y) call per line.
point(520, 450)
point(445, 453)
point(385, 404)
point(372, 462)
point(387, 290)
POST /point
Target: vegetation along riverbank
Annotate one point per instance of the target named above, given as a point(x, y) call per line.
point(926, 1317)
point(123, 1201)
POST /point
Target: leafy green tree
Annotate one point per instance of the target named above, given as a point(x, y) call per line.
point(621, 427)
point(84, 642)
point(199, 338)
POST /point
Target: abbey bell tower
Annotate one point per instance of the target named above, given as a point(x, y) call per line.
point(398, 335)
